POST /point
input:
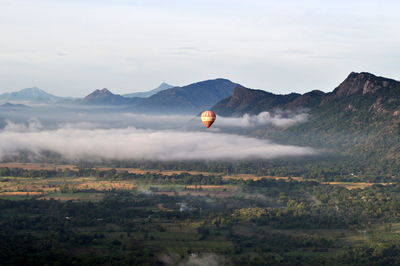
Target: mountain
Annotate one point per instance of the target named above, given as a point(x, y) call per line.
point(29, 95)
point(363, 83)
point(357, 85)
point(361, 117)
point(192, 98)
point(249, 101)
point(364, 110)
point(105, 97)
point(145, 94)
point(12, 105)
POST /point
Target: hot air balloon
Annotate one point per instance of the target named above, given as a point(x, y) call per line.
point(208, 118)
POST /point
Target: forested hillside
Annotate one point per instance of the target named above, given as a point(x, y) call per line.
point(360, 118)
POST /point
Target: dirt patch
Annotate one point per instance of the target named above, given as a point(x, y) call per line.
point(255, 178)
point(20, 193)
point(164, 172)
point(77, 197)
point(104, 185)
point(210, 187)
point(38, 166)
point(220, 194)
point(353, 185)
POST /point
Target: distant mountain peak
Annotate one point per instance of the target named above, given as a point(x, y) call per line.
point(33, 94)
point(222, 79)
point(34, 88)
point(100, 93)
point(164, 84)
point(104, 97)
point(144, 94)
point(31, 90)
point(103, 91)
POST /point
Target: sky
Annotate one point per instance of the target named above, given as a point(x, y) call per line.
point(72, 47)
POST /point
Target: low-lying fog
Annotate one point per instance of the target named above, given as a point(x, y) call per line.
point(111, 133)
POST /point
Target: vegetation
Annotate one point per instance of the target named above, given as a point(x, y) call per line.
point(63, 218)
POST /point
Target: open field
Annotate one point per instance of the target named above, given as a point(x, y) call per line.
point(354, 185)
point(253, 177)
point(43, 166)
point(212, 187)
point(93, 197)
point(107, 214)
point(21, 193)
point(106, 185)
point(197, 193)
point(39, 166)
point(56, 188)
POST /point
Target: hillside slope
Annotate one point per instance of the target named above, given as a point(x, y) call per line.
point(360, 117)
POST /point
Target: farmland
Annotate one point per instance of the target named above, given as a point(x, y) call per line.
point(116, 216)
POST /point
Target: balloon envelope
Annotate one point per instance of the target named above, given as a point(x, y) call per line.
point(208, 118)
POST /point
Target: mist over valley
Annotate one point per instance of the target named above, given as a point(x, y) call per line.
point(199, 133)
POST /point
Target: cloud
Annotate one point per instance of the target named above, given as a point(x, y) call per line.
point(207, 259)
point(296, 52)
point(262, 119)
point(33, 126)
point(132, 143)
point(160, 121)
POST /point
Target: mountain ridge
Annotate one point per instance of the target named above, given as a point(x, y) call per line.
point(362, 83)
point(12, 105)
point(360, 117)
point(191, 98)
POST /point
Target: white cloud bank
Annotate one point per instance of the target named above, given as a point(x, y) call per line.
point(262, 119)
point(132, 143)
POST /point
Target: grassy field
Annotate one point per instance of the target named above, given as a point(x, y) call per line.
point(90, 189)
point(40, 166)
point(354, 185)
point(180, 219)
point(56, 188)
point(79, 196)
point(121, 186)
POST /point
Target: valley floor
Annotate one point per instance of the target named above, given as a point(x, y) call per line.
point(62, 215)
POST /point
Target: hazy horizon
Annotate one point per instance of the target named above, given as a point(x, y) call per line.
point(70, 48)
